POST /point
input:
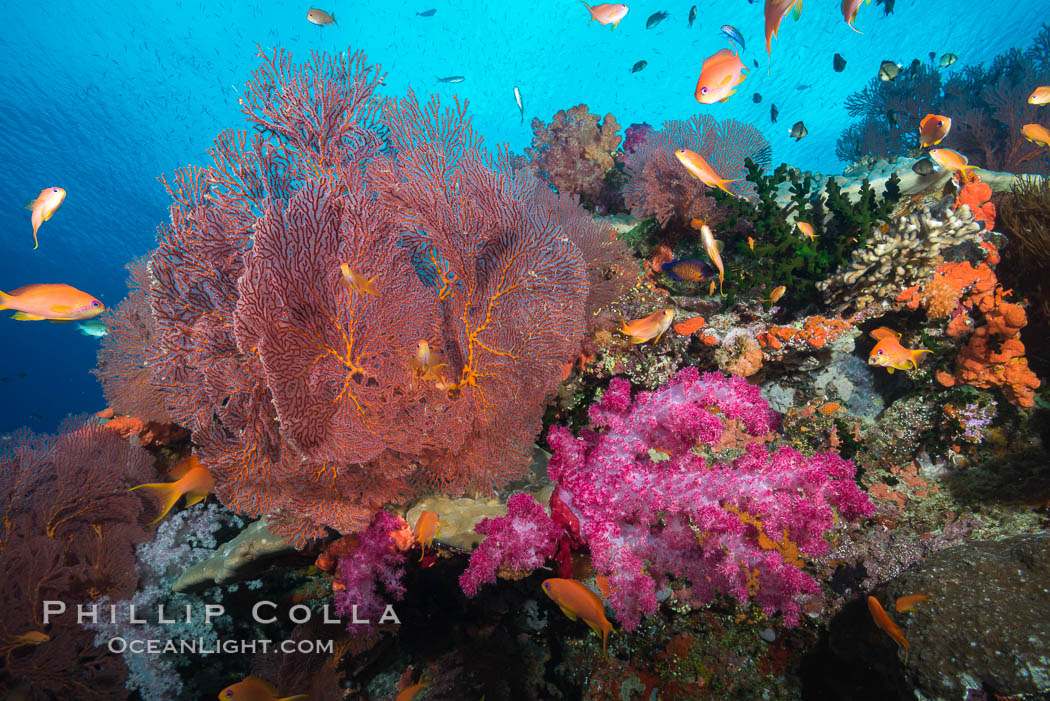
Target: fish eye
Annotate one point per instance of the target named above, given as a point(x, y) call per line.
point(880, 351)
point(703, 90)
point(95, 303)
point(54, 189)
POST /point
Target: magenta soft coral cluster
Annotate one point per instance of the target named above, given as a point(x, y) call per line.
point(649, 520)
point(376, 561)
point(521, 540)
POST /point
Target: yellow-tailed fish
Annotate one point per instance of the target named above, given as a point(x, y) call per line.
point(574, 599)
point(702, 170)
point(197, 483)
point(53, 302)
point(711, 248)
point(890, 354)
point(44, 207)
point(647, 328)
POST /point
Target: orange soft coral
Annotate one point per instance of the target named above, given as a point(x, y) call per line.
point(976, 195)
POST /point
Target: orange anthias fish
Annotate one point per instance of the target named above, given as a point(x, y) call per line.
point(44, 206)
point(751, 243)
point(197, 483)
point(56, 302)
point(909, 602)
point(719, 76)
point(849, 12)
point(606, 13)
point(776, 294)
point(932, 129)
point(425, 530)
point(411, 692)
point(1036, 133)
point(884, 622)
point(776, 11)
point(953, 161)
point(320, 17)
point(574, 599)
point(807, 230)
point(702, 170)
point(1040, 96)
point(711, 248)
point(356, 281)
point(426, 362)
point(890, 354)
point(647, 328)
point(253, 689)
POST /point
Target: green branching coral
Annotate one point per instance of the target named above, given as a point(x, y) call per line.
point(782, 255)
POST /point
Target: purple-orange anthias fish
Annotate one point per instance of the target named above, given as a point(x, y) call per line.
point(909, 601)
point(356, 281)
point(952, 160)
point(807, 230)
point(689, 270)
point(647, 328)
point(254, 689)
point(719, 76)
point(53, 302)
point(426, 529)
point(196, 483)
point(775, 12)
point(702, 170)
point(890, 354)
point(932, 129)
point(886, 624)
point(43, 207)
point(1040, 96)
point(607, 13)
point(1036, 133)
point(849, 12)
point(574, 599)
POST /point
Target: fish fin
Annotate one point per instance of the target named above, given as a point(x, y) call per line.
point(60, 308)
point(195, 497)
point(568, 612)
point(889, 370)
point(332, 15)
point(297, 696)
point(4, 298)
point(166, 494)
point(36, 243)
point(725, 80)
point(22, 316)
point(30, 204)
point(797, 10)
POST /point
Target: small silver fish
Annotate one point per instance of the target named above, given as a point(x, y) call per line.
point(452, 79)
point(798, 131)
point(639, 66)
point(838, 63)
point(521, 105)
point(734, 35)
point(888, 70)
point(756, 98)
point(426, 13)
point(692, 15)
point(320, 17)
point(94, 328)
point(924, 167)
point(655, 19)
point(948, 59)
point(773, 113)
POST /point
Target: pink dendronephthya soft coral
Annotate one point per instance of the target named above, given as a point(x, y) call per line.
point(738, 528)
point(522, 540)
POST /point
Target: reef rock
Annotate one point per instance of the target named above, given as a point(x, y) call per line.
point(239, 559)
point(987, 626)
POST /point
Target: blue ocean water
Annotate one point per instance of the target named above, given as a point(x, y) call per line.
point(102, 97)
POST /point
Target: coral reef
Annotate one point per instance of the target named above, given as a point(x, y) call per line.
point(780, 254)
point(659, 187)
point(988, 106)
point(899, 256)
point(67, 533)
point(241, 558)
point(298, 383)
point(574, 153)
point(976, 194)
point(650, 508)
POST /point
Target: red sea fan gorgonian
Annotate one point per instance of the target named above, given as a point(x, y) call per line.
point(659, 186)
point(68, 528)
point(300, 391)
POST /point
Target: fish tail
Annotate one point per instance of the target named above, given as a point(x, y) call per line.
point(167, 494)
point(4, 300)
point(588, 8)
point(916, 356)
point(35, 242)
point(333, 22)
